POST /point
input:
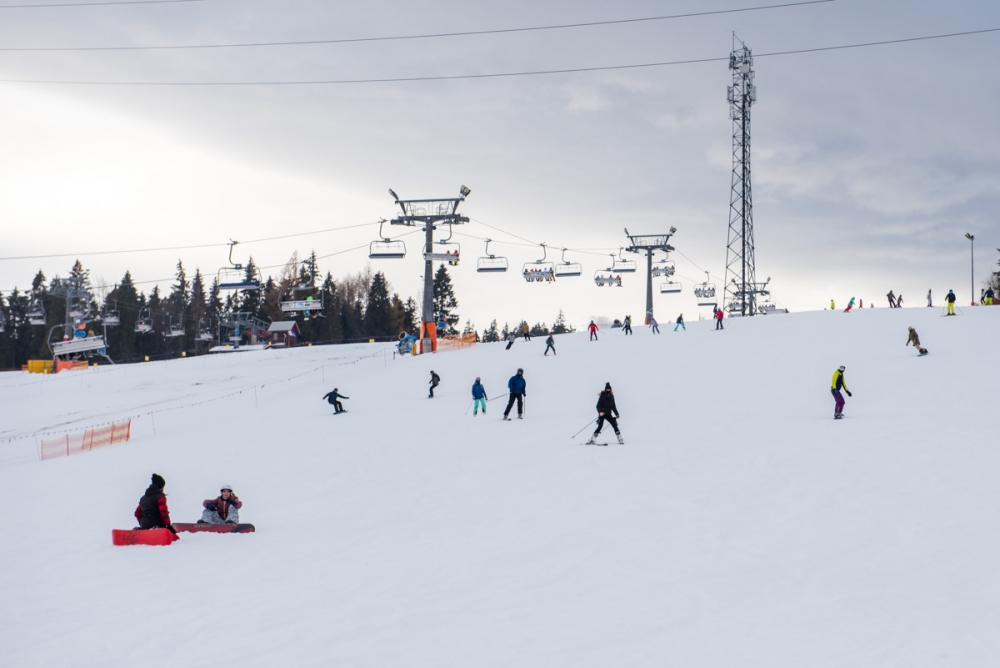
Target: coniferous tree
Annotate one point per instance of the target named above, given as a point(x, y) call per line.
point(559, 326)
point(445, 302)
point(329, 327)
point(469, 328)
point(506, 331)
point(491, 334)
point(122, 339)
point(410, 316)
point(378, 311)
point(197, 305)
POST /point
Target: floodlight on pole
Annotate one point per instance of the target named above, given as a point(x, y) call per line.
point(464, 191)
point(394, 195)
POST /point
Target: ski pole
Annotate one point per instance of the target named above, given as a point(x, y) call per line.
point(584, 427)
point(470, 406)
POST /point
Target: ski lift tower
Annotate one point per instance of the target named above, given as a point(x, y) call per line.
point(740, 279)
point(430, 213)
point(649, 244)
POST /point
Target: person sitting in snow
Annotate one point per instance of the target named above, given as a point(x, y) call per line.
point(152, 513)
point(224, 509)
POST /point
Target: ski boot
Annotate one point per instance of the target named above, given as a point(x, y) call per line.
point(506, 418)
point(520, 417)
point(593, 440)
point(620, 440)
point(838, 416)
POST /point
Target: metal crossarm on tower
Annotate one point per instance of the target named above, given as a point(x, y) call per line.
point(740, 280)
point(648, 244)
point(430, 213)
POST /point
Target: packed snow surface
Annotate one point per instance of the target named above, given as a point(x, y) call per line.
point(739, 525)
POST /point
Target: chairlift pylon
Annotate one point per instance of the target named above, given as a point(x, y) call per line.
point(567, 269)
point(386, 248)
point(491, 263)
point(540, 270)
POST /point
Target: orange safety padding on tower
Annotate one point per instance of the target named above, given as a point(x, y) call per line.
point(428, 330)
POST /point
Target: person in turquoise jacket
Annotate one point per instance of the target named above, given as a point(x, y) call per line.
point(478, 397)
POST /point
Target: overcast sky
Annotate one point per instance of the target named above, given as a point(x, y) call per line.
point(869, 166)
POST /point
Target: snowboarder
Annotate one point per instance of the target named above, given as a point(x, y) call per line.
point(550, 344)
point(478, 397)
point(653, 325)
point(152, 513)
point(718, 319)
point(606, 410)
point(680, 323)
point(837, 384)
point(988, 300)
point(517, 386)
point(850, 305)
point(892, 299)
point(223, 509)
point(833, 306)
point(525, 331)
point(930, 302)
point(435, 381)
point(914, 338)
point(511, 338)
point(332, 397)
point(627, 325)
point(950, 300)
point(592, 328)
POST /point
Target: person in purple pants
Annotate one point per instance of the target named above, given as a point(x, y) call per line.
point(839, 384)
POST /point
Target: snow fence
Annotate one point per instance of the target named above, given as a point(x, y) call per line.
point(85, 441)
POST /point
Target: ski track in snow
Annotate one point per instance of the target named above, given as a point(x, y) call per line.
point(739, 525)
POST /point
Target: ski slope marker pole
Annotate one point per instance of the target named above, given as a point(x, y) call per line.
point(584, 427)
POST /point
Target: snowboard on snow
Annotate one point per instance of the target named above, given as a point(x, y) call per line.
point(142, 537)
point(215, 528)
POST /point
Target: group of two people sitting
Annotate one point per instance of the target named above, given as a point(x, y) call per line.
point(152, 512)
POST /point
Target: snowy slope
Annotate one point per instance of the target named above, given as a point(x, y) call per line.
point(739, 526)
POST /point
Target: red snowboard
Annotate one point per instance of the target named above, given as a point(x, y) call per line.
point(215, 528)
point(142, 536)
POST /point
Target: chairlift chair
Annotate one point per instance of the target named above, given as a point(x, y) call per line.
point(144, 323)
point(449, 253)
point(670, 287)
point(234, 277)
point(539, 271)
point(36, 313)
point(175, 330)
point(112, 318)
point(665, 268)
point(386, 248)
point(491, 264)
point(623, 266)
point(607, 277)
point(705, 293)
point(309, 305)
point(566, 269)
point(204, 333)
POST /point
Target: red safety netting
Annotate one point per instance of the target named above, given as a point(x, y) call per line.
point(456, 342)
point(85, 441)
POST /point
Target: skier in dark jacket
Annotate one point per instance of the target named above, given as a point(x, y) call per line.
point(838, 384)
point(627, 325)
point(950, 300)
point(550, 344)
point(435, 381)
point(478, 397)
point(152, 513)
point(332, 397)
point(606, 410)
point(517, 386)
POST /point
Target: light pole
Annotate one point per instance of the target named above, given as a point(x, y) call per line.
point(972, 265)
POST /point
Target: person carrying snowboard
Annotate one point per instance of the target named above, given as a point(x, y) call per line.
point(550, 344)
point(478, 397)
point(223, 509)
point(680, 323)
point(332, 397)
point(653, 325)
point(592, 328)
point(850, 305)
point(606, 410)
point(950, 300)
point(517, 386)
point(837, 385)
point(914, 338)
point(627, 325)
point(435, 381)
point(152, 513)
point(718, 318)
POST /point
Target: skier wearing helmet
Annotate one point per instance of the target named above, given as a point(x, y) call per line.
point(517, 386)
point(837, 385)
point(224, 509)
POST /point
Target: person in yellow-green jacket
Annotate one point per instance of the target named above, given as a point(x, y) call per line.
point(836, 386)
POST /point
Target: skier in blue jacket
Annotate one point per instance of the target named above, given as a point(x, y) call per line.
point(516, 385)
point(478, 397)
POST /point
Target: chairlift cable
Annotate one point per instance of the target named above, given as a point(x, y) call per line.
point(101, 3)
point(390, 38)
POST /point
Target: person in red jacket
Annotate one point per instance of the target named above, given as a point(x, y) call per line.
point(152, 513)
point(592, 328)
point(718, 318)
point(222, 509)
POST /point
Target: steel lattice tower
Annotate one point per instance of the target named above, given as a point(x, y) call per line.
point(741, 288)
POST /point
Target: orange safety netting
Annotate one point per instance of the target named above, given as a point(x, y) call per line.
point(456, 342)
point(85, 441)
